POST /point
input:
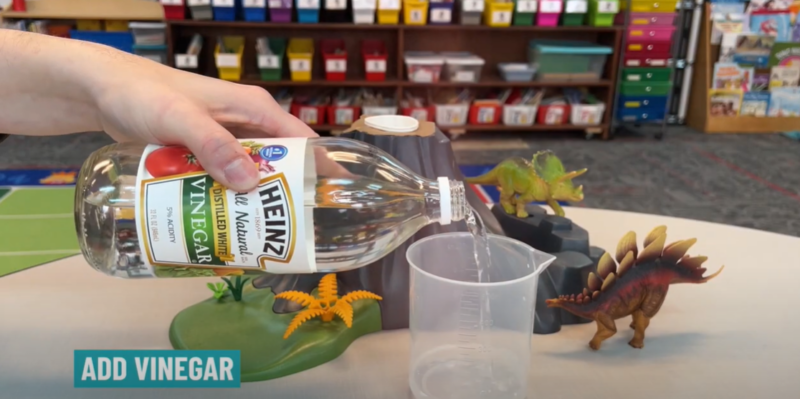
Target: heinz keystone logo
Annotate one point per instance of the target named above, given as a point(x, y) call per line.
point(156, 369)
point(273, 152)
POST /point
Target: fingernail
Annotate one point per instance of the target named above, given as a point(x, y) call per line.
point(241, 174)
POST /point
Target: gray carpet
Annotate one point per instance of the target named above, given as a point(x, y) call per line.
point(746, 180)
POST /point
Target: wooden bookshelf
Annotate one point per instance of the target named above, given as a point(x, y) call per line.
point(127, 10)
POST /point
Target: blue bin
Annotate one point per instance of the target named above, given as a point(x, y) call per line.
point(122, 41)
point(228, 13)
point(306, 15)
point(255, 14)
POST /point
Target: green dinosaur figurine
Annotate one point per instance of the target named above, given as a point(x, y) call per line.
point(521, 182)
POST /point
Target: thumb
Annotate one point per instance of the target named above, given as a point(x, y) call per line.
point(218, 152)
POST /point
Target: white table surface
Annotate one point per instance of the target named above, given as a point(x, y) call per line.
point(735, 337)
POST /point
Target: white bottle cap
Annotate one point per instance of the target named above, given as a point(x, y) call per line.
point(392, 123)
point(445, 202)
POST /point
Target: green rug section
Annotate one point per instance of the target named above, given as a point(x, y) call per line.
point(251, 327)
point(36, 227)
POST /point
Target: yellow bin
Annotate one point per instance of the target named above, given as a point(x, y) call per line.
point(389, 12)
point(229, 65)
point(89, 24)
point(301, 56)
point(498, 14)
point(415, 12)
point(116, 26)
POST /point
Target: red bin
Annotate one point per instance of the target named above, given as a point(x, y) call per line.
point(175, 12)
point(310, 114)
point(335, 57)
point(343, 115)
point(374, 54)
point(553, 114)
point(485, 114)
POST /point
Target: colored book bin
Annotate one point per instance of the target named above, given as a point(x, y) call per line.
point(549, 12)
point(335, 57)
point(441, 12)
point(524, 12)
point(307, 11)
point(301, 54)
point(280, 11)
point(375, 59)
point(272, 69)
point(574, 12)
point(602, 12)
point(255, 14)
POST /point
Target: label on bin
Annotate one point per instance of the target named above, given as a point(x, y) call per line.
point(610, 7)
point(187, 61)
point(577, 7)
point(376, 66)
point(389, 4)
point(344, 116)
point(501, 17)
point(485, 114)
point(464, 76)
point(268, 62)
point(473, 5)
point(441, 15)
point(222, 3)
point(308, 115)
point(365, 4)
point(526, 5)
point(227, 61)
point(336, 65)
point(308, 4)
point(335, 4)
point(172, 2)
point(194, 3)
point(301, 65)
point(416, 16)
point(550, 6)
point(275, 4)
point(255, 3)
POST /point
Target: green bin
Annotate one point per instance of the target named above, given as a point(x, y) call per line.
point(271, 66)
point(574, 12)
point(568, 60)
point(602, 12)
point(646, 88)
point(645, 75)
point(522, 14)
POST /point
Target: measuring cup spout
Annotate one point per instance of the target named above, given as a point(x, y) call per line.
point(542, 260)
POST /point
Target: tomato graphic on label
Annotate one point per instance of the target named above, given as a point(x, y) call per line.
point(170, 161)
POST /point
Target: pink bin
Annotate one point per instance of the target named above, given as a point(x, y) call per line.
point(549, 12)
point(650, 33)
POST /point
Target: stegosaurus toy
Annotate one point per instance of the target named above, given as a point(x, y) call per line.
point(637, 287)
point(521, 182)
point(328, 305)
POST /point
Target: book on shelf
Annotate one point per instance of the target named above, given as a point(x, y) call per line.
point(731, 76)
point(753, 49)
point(785, 54)
point(724, 102)
point(784, 101)
point(777, 24)
point(755, 103)
point(726, 23)
point(784, 76)
point(760, 81)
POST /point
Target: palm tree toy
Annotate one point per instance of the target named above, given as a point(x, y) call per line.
point(326, 306)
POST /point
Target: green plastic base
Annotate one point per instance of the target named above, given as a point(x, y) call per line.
point(572, 19)
point(251, 327)
point(271, 74)
point(523, 19)
point(601, 19)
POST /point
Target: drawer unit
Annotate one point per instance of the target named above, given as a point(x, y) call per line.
point(645, 75)
point(641, 114)
point(650, 33)
point(642, 6)
point(649, 47)
point(643, 102)
point(645, 88)
point(640, 59)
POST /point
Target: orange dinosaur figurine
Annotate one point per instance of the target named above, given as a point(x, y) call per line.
point(637, 287)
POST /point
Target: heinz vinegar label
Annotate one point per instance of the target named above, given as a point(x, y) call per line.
point(187, 220)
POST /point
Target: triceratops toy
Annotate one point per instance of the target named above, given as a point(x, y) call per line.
point(636, 287)
point(521, 182)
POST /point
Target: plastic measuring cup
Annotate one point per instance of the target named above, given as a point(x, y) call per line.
point(472, 339)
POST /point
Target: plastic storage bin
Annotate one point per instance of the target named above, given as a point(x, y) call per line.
point(226, 10)
point(568, 60)
point(343, 115)
point(645, 75)
point(553, 114)
point(229, 65)
point(524, 12)
point(309, 114)
point(148, 33)
point(602, 12)
point(645, 88)
point(516, 72)
point(452, 114)
point(201, 10)
point(157, 53)
point(373, 52)
point(423, 67)
point(470, 11)
point(335, 11)
point(271, 65)
point(649, 18)
point(379, 110)
point(415, 12)
point(651, 6)
point(389, 12)
point(280, 11)
point(651, 34)
point(519, 115)
point(498, 14)
point(255, 10)
point(334, 57)
point(116, 26)
point(641, 114)
point(639, 59)
point(485, 114)
point(307, 11)
point(364, 11)
point(587, 114)
point(574, 12)
point(422, 114)
point(549, 12)
point(462, 67)
point(89, 24)
point(122, 41)
point(176, 10)
point(441, 12)
point(301, 54)
point(643, 102)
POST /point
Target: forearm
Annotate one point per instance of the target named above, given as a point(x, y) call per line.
point(50, 85)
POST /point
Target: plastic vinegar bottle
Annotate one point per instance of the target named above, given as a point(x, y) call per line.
point(322, 205)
